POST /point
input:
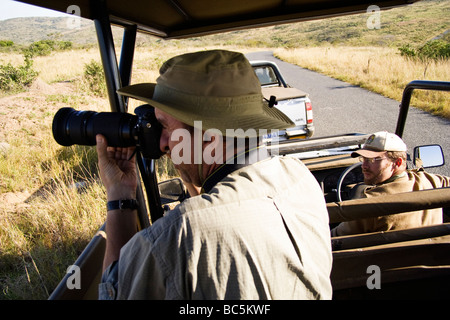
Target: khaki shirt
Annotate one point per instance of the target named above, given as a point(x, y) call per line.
point(260, 233)
point(412, 180)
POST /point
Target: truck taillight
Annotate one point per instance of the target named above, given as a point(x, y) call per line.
point(309, 113)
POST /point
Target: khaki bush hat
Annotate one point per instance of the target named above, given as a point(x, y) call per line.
point(380, 142)
point(217, 87)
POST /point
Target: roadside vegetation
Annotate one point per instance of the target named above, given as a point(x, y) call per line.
point(51, 200)
point(383, 70)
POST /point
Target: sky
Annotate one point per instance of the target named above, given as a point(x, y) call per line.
point(14, 9)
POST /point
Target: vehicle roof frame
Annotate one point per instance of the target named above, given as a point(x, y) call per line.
point(117, 76)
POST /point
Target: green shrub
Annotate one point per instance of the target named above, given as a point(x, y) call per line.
point(407, 51)
point(432, 50)
point(6, 43)
point(45, 47)
point(64, 45)
point(40, 48)
point(94, 76)
point(17, 78)
point(435, 50)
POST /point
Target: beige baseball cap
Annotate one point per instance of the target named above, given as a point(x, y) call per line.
point(380, 142)
point(217, 87)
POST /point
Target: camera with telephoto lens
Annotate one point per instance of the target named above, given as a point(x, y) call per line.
point(120, 129)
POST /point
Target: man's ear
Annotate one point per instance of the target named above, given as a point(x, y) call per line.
point(399, 162)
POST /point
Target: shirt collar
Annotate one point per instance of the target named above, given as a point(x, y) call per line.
point(239, 161)
point(393, 178)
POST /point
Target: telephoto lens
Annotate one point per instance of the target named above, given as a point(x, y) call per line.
point(80, 127)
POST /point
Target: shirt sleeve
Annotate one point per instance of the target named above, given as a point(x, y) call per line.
point(107, 289)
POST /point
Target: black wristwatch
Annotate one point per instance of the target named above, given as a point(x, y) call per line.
point(122, 204)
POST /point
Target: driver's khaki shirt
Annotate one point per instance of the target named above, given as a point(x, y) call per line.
point(413, 180)
point(261, 233)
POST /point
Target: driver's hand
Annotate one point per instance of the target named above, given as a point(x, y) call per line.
point(117, 171)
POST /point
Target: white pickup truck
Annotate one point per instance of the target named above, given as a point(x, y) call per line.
point(291, 101)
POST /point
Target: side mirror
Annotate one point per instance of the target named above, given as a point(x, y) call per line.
point(171, 190)
point(428, 156)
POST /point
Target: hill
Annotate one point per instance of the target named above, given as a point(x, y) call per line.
point(27, 30)
point(416, 24)
point(24, 31)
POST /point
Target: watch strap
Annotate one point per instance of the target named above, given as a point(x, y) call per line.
point(122, 204)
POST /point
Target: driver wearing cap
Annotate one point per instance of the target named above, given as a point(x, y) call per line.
point(383, 158)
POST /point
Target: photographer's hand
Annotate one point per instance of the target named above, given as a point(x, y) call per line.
point(119, 175)
point(117, 170)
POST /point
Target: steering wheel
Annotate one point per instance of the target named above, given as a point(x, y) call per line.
point(342, 177)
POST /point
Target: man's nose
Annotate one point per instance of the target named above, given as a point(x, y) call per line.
point(365, 165)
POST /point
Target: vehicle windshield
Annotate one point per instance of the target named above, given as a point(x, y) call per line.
point(266, 75)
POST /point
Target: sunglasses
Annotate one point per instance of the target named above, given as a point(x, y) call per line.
point(370, 160)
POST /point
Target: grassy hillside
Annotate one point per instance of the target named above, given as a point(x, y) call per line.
point(27, 30)
point(415, 23)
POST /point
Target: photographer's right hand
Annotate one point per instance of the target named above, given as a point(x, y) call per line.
point(117, 171)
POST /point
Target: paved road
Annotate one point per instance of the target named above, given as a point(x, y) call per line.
point(340, 107)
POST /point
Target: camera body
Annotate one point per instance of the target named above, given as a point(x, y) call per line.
point(120, 129)
point(149, 132)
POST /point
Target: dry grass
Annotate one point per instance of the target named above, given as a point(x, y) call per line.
point(378, 69)
point(44, 235)
point(45, 220)
point(63, 66)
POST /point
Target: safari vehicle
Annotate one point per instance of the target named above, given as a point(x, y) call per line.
point(412, 263)
point(291, 101)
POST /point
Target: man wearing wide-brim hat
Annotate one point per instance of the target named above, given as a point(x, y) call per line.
point(384, 167)
point(259, 228)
